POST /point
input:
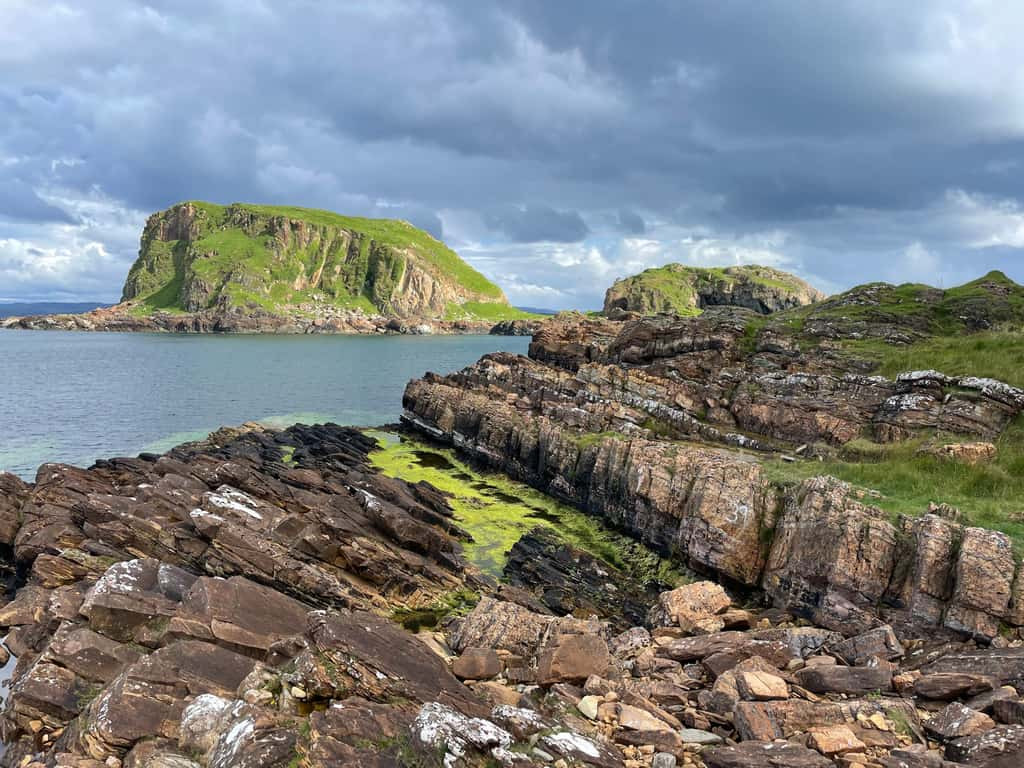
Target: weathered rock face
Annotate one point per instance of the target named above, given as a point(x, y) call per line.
point(205, 250)
point(205, 268)
point(569, 580)
point(637, 422)
point(687, 290)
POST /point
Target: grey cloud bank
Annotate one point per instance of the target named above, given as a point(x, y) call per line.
point(556, 146)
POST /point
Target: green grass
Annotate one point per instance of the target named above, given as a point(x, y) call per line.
point(493, 312)
point(994, 354)
point(988, 495)
point(675, 287)
point(348, 262)
point(393, 232)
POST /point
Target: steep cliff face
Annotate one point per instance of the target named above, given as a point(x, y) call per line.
point(198, 256)
point(688, 290)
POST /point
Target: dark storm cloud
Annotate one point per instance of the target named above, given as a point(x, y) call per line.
point(533, 224)
point(556, 145)
point(19, 201)
point(632, 222)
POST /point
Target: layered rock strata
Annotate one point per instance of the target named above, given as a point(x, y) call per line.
point(636, 422)
point(226, 605)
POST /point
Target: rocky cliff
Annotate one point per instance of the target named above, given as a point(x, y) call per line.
point(254, 268)
point(197, 255)
point(673, 428)
point(686, 291)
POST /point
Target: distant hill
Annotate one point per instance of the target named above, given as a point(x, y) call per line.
point(687, 290)
point(23, 309)
point(199, 256)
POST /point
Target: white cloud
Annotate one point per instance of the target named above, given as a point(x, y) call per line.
point(987, 222)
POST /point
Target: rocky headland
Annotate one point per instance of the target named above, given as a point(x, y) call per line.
point(206, 268)
point(686, 291)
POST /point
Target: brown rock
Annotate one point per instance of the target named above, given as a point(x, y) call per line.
point(1000, 747)
point(760, 686)
point(238, 614)
point(764, 754)
point(878, 643)
point(984, 572)
point(964, 453)
point(477, 664)
point(637, 719)
point(769, 720)
point(850, 680)
point(1006, 665)
point(818, 565)
point(574, 658)
point(834, 740)
point(507, 626)
point(957, 721)
point(946, 686)
point(1008, 711)
point(692, 607)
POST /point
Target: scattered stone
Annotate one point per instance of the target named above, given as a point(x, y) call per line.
point(760, 754)
point(574, 658)
point(957, 721)
point(761, 686)
point(834, 740)
point(477, 664)
point(694, 608)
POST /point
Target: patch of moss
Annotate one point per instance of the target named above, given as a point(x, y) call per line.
point(457, 603)
point(497, 511)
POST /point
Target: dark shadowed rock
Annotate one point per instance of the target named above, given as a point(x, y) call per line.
point(761, 754)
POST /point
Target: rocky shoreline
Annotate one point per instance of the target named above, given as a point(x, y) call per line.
point(236, 602)
point(638, 422)
point(318, 320)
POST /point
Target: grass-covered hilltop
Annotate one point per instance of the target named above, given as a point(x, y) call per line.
point(198, 256)
point(686, 291)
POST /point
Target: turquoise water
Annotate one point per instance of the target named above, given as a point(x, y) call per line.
point(75, 397)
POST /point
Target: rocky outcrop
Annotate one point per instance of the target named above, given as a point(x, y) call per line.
point(205, 268)
point(227, 605)
point(206, 254)
point(684, 290)
point(638, 422)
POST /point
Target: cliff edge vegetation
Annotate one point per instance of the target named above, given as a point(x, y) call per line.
point(687, 291)
point(198, 256)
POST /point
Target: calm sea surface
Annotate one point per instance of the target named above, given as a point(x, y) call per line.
point(76, 397)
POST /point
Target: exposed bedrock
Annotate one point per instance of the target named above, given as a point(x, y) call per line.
point(586, 416)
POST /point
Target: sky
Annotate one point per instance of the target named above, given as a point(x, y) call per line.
point(557, 146)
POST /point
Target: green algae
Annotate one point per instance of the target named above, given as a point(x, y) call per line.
point(497, 511)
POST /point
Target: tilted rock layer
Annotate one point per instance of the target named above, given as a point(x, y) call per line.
point(637, 421)
point(226, 605)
